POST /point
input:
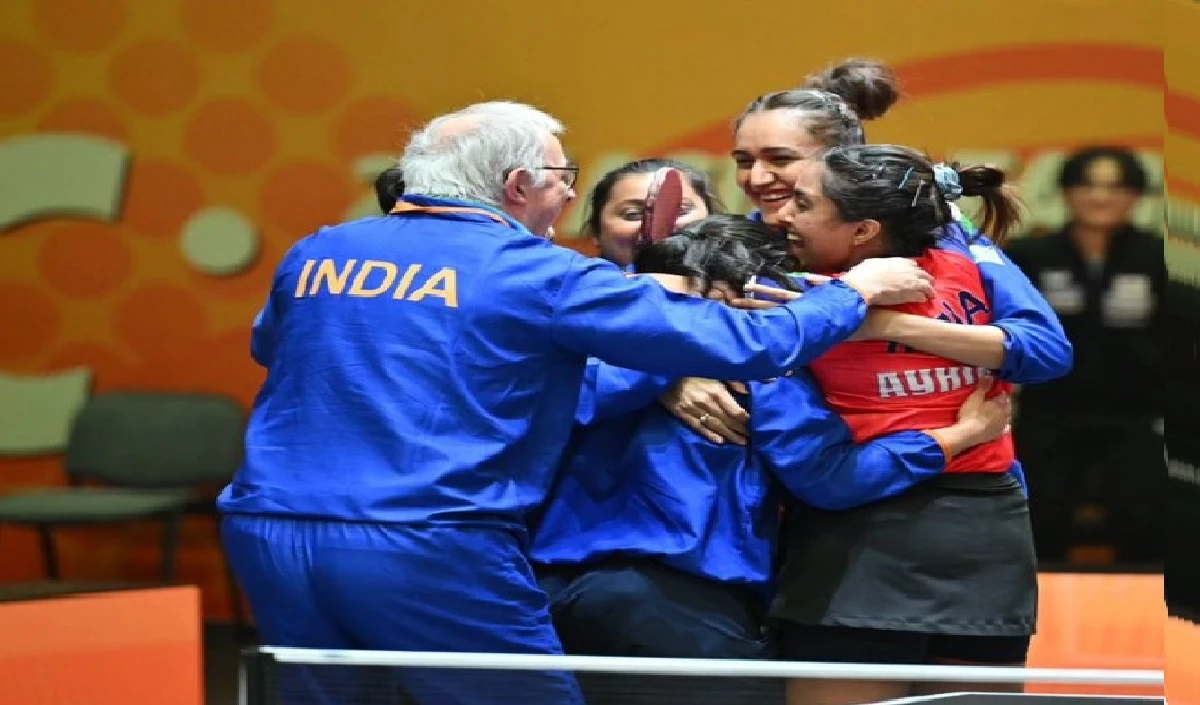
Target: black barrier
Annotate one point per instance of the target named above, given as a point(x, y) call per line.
point(259, 671)
point(1182, 440)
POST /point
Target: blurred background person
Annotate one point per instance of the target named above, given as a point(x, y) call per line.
point(1092, 441)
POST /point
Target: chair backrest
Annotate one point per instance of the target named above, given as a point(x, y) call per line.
point(151, 439)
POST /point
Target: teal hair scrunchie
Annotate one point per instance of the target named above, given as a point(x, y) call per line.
point(947, 182)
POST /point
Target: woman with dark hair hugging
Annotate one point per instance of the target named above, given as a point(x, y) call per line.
point(943, 572)
point(657, 542)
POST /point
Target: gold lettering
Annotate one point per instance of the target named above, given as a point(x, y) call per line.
point(358, 288)
point(302, 284)
point(334, 277)
point(406, 281)
point(334, 280)
point(447, 278)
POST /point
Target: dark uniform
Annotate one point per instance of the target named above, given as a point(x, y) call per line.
point(945, 571)
point(1183, 452)
point(1096, 434)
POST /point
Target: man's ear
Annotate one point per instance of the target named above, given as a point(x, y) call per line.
point(516, 186)
point(866, 231)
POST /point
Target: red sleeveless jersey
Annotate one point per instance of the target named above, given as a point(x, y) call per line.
point(880, 387)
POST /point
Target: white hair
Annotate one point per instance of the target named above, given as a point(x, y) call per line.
point(465, 154)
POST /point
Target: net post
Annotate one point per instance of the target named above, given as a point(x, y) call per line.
point(258, 684)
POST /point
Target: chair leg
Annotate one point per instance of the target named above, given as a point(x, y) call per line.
point(170, 546)
point(49, 551)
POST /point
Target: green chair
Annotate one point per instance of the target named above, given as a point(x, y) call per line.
point(135, 456)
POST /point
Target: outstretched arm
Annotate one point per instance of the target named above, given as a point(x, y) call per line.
point(813, 451)
point(1034, 346)
point(634, 323)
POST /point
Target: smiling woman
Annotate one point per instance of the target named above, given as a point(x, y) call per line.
point(779, 131)
point(885, 202)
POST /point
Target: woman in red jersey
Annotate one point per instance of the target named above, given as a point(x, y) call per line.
point(944, 573)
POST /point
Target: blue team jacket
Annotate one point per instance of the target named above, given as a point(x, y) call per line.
point(638, 482)
point(427, 366)
point(642, 483)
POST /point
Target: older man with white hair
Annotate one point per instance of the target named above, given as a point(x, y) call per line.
point(422, 374)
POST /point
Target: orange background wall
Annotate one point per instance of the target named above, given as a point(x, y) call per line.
point(242, 125)
point(1183, 662)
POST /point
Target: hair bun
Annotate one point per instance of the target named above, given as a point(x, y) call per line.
point(978, 180)
point(869, 87)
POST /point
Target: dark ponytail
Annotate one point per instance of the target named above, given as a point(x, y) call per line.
point(910, 196)
point(1001, 208)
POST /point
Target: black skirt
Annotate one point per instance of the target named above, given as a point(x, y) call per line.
point(952, 556)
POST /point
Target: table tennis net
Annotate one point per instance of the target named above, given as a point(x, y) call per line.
point(278, 676)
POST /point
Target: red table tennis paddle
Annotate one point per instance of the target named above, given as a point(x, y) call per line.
point(664, 205)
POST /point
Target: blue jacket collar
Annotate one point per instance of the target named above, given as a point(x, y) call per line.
point(432, 201)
